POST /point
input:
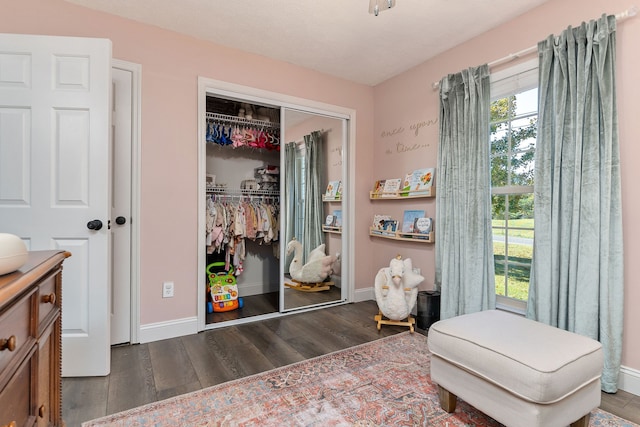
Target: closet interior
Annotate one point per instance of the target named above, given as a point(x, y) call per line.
point(243, 209)
point(267, 170)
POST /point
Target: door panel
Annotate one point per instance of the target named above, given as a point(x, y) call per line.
point(54, 169)
point(121, 185)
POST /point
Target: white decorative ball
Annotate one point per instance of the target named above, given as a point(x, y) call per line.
point(13, 253)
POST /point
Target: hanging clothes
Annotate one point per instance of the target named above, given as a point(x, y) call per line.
point(240, 132)
point(231, 219)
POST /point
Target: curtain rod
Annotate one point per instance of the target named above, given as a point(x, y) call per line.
point(622, 16)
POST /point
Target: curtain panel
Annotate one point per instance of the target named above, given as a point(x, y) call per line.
point(312, 235)
point(290, 197)
point(464, 245)
point(577, 273)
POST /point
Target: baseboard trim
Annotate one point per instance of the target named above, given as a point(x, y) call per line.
point(364, 294)
point(249, 289)
point(170, 329)
point(629, 380)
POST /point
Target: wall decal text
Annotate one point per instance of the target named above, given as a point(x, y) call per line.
point(419, 125)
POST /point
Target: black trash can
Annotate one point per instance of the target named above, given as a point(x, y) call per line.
point(428, 308)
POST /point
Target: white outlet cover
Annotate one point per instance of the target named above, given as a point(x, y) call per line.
point(167, 289)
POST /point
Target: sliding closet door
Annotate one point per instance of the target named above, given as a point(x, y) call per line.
point(313, 213)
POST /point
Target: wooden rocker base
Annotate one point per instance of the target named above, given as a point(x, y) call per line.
point(309, 287)
point(381, 321)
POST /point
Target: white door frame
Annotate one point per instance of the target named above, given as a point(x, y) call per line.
point(136, 139)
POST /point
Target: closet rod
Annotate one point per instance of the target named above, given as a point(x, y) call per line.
point(241, 192)
point(622, 16)
point(241, 120)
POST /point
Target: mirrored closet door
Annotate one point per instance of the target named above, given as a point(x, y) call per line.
point(313, 190)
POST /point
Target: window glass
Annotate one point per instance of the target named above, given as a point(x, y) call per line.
point(513, 140)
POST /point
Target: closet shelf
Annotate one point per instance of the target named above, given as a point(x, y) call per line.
point(242, 121)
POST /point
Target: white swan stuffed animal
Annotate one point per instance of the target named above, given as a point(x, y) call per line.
point(316, 270)
point(396, 288)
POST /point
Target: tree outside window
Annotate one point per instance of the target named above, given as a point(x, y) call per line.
point(513, 137)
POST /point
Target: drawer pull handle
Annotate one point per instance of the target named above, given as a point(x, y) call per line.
point(11, 424)
point(42, 411)
point(49, 299)
point(8, 344)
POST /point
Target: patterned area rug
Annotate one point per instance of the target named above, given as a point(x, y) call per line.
point(382, 383)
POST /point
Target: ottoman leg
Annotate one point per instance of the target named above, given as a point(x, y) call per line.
point(582, 422)
point(448, 400)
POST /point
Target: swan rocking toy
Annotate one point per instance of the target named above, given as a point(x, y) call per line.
point(318, 267)
point(396, 289)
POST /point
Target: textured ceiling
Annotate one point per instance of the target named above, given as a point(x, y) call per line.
point(336, 37)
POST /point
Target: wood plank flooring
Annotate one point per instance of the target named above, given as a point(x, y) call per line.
point(149, 372)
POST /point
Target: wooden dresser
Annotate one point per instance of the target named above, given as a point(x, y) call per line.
point(30, 339)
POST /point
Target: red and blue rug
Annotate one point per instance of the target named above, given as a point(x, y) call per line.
point(382, 383)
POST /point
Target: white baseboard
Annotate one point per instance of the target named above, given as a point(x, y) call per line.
point(249, 289)
point(364, 294)
point(170, 329)
point(629, 380)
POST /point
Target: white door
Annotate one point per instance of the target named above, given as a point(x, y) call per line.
point(54, 169)
point(122, 131)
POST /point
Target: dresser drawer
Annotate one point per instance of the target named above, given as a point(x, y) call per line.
point(15, 399)
point(47, 299)
point(16, 336)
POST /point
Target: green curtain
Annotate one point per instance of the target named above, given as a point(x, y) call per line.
point(464, 245)
point(291, 196)
point(577, 274)
point(312, 235)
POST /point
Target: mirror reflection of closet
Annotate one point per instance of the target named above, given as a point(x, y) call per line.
point(312, 158)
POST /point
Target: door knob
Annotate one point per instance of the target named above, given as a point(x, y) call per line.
point(121, 220)
point(96, 225)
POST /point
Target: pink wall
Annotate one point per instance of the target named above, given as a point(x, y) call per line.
point(171, 64)
point(387, 144)
point(408, 99)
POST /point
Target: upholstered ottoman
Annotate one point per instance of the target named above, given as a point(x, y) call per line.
point(518, 371)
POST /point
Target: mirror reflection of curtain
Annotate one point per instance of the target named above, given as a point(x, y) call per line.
point(303, 187)
point(312, 235)
point(291, 196)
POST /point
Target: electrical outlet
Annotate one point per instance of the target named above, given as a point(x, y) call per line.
point(167, 290)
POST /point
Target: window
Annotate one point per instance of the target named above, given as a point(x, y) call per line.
point(300, 190)
point(514, 114)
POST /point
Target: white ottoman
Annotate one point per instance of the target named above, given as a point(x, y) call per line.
point(518, 371)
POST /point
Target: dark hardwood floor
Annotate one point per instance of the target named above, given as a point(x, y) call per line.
point(149, 372)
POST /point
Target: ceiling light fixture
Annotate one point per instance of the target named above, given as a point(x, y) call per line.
point(375, 6)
